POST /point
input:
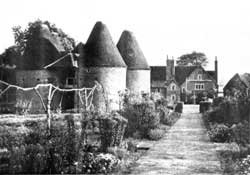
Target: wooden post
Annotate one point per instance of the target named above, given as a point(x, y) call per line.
point(49, 108)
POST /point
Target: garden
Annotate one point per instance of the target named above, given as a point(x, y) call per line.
point(90, 142)
point(228, 122)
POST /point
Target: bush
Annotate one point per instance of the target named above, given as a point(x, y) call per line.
point(179, 107)
point(240, 133)
point(112, 128)
point(244, 165)
point(156, 134)
point(141, 118)
point(171, 118)
point(220, 133)
point(92, 163)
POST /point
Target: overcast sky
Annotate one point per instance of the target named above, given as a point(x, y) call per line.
point(162, 27)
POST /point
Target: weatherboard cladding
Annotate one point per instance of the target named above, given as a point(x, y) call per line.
point(100, 50)
point(131, 52)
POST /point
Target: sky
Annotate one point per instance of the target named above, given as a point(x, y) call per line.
point(162, 27)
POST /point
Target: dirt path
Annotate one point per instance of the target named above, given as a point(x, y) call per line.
point(184, 150)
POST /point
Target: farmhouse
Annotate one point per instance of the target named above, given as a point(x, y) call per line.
point(183, 83)
point(237, 84)
point(98, 61)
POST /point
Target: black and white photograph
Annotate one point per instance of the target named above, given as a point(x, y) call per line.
point(140, 87)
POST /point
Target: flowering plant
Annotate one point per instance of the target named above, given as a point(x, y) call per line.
point(92, 163)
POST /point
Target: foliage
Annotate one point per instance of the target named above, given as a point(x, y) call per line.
point(22, 36)
point(23, 106)
point(112, 128)
point(93, 163)
point(240, 133)
point(171, 118)
point(179, 107)
point(219, 133)
point(141, 117)
point(29, 148)
point(194, 58)
point(156, 134)
point(244, 165)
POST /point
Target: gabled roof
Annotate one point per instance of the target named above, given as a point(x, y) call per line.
point(52, 37)
point(131, 52)
point(66, 61)
point(158, 73)
point(78, 48)
point(212, 74)
point(100, 49)
point(182, 72)
point(235, 81)
point(246, 79)
point(42, 49)
point(168, 82)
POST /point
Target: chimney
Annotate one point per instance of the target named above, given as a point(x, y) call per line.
point(216, 70)
point(170, 69)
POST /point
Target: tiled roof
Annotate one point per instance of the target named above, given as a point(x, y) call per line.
point(100, 49)
point(158, 73)
point(42, 49)
point(131, 52)
point(182, 72)
point(68, 60)
point(212, 74)
point(246, 79)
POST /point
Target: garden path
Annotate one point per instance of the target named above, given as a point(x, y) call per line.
point(185, 149)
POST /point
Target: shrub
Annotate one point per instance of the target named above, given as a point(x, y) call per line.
point(244, 165)
point(179, 107)
point(92, 163)
point(141, 118)
point(220, 133)
point(171, 118)
point(156, 134)
point(112, 128)
point(240, 133)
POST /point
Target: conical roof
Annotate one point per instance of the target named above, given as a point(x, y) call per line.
point(100, 50)
point(131, 52)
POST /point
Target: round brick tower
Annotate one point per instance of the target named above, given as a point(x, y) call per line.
point(138, 72)
point(101, 62)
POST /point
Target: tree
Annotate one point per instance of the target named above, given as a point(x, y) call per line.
point(194, 58)
point(31, 32)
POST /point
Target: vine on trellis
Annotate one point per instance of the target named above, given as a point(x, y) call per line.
point(85, 95)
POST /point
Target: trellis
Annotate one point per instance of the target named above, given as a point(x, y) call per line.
point(85, 95)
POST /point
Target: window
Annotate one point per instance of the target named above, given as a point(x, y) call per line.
point(199, 86)
point(183, 89)
point(199, 77)
point(70, 81)
point(173, 97)
point(173, 87)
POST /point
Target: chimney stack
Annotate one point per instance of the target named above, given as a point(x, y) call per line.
point(170, 69)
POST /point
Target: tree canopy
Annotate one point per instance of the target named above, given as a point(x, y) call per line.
point(31, 32)
point(194, 58)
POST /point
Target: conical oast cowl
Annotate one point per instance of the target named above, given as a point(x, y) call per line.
point(131, 52)
point(100, 50)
